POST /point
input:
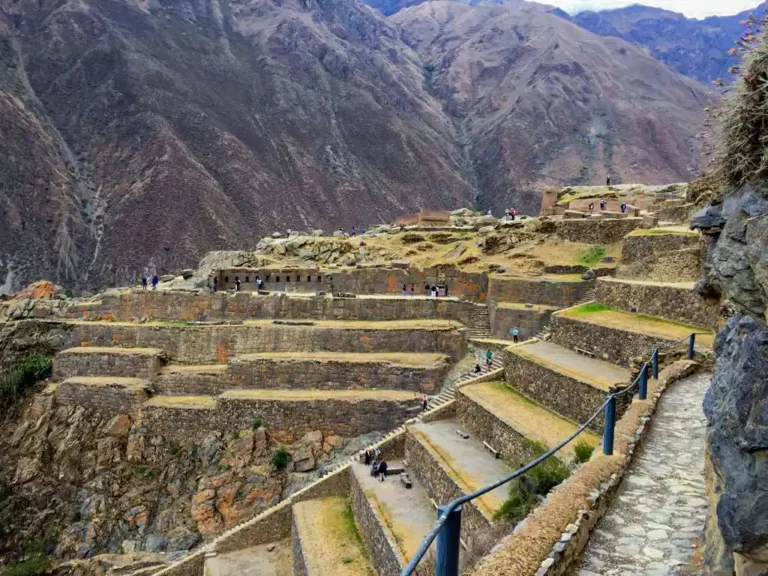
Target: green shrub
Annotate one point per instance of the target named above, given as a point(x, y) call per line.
point(257, 424)
point(281, 458)
point(583, 452)
point(34, 563)
point(173, 449)
point(14, 383)
point(593, 256)
point(526, 491)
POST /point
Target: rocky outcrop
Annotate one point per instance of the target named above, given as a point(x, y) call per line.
point(737, 403)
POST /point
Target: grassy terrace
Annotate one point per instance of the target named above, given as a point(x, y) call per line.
point(330, 541)
point(524, 306)
point(112, 350)
point(680, 285)
point(312, 395)
point(665, 329)
point(672, 230)
point(106, 381)
point(404, 359)
point(191, 402)
point(526, 416)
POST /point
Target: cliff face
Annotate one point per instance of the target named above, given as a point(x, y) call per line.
point(737, 403)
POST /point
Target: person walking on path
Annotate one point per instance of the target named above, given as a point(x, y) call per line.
point(144, 282)
point(488, 358)
point(424, 402)
point(413, 289)
point(405, 290)
point(237, 284)
point(515, 333)
point(259, 284)
point(155, 280)
point(602, 205)
point(608, 181)
point(623, 208)
point(427, 289)
point(383, 470)
point(215, 285)
point(591, 207)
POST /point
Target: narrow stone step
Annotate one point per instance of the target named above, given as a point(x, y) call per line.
point(265, 560)
point(509, 422)
point(325, 541)
point(107, 361)
point(571, 384)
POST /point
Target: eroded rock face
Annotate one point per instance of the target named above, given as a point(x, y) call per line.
point(736, 405)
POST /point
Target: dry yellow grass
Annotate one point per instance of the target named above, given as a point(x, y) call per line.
point(192, 402)
point(404, 359)
point(685, 285)
point(656, 327)
point(525, 416)
point(106, 381)
point(524, 306)
point(426, 324)
point(195, 368)
point(311, 395)
point(328, 544)
point(112, 350)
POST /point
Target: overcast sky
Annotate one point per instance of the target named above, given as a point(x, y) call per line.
point(691, 8)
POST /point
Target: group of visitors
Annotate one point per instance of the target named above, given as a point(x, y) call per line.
point(511, 213)
point(378, 469)
point(145, 280)
point(603, 206)
point(429, 290)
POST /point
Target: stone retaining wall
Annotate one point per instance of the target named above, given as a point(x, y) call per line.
point(674, 266)
point(611, 344)
point(218, 344)
point(528, 321)
point(639, 246)
point(514, 448)
point(105, 363)
point(201, 306)
point(299, 562)
point(335, 374)
point(211, 383)
point(107, 399)
point(676, 303)
point(544, 291)
point(562, 394)
point(597, 231)
point(379, 542)
point(441, 487)
point(289, 418)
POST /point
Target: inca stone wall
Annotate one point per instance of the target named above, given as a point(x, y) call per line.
point(108, 398)
point(105, 363)
point(177, 305)
point(610, 344)
point(638, 246)
point(513, 447)
point(597, 230)
point(220, 343)
point(544, 291)
point(679, 304)
point(528, 321)
point(292, 418)
point(441, 487)
point(336, 374)
point(381, 546)
point(674, 266)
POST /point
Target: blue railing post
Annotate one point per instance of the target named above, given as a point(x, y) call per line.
point(448, 542)
point(642, 390)
point(610, 424)
point(655, 359)
point(691, 344)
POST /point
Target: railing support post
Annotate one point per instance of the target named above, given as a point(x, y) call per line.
point(691, 344)
point(642, 390)
point(655, 359)
point(448, 543)
point(610, 424)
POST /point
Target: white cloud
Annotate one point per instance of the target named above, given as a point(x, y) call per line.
point(691, 8)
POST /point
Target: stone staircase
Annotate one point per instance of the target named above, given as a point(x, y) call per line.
point(480, 322)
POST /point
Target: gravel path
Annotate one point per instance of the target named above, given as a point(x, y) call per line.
point(659, 513)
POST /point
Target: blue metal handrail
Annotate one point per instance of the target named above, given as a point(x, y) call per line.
point(447, 546)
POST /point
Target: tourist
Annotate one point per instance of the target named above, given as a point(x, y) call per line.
point(591, 207)
point(488, 358)
point(446, 290)
point(478, 369)
point(623, 207)
point(367, 458)
point(374, 468)
point(602, 205)
point(259, 284)
point(405, 290)
point(608, 181)
point(427, 289)
point(434, 290)
point(413, 289)
point(215, 285)
point(424, 402)
point(489, 213)
point(382, 471)
point(514, 335)
point(237, 284)
point(155, 280)
point(144, 282)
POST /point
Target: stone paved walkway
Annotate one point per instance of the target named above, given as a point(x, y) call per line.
point(659, 513)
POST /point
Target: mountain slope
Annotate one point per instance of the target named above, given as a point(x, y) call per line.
point(198, 125)
point(542, 101)
point(696, 48)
